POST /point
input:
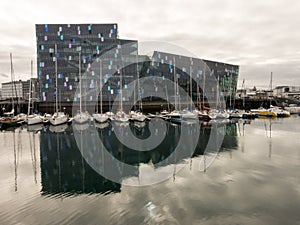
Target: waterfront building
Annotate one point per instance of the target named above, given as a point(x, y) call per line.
point(20, 89)
point(292, 92)
point(91, 41)
point(12, 90)
point(162, 64)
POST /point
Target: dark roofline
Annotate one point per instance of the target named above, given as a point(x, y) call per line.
point(66, 24)
point(205, 60)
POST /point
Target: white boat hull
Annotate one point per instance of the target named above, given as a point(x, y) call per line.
point(138, 116)
point(58, 119)
point(34, 119)
point(121, 117)
point(100, 118)
point(81, 118)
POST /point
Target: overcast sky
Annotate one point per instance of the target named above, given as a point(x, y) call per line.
point(260, 36)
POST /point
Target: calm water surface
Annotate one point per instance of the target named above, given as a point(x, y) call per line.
point(255, 178)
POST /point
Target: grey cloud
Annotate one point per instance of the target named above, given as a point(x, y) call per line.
point(258, 35)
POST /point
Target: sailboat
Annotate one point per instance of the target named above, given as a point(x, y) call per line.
point(216, 113)
point(201, 111)
point(81, 117)
point(189, 114)
point(243, 113)
point(9, 119)
point(175, 116)
point(110, 113)
point(58, 118)
point(32, 119)
point(100, 117)
point(163, 114)
point(137, 115)
point(280, 112)
point(266, 112)
point(121, 116)
point(232, 111)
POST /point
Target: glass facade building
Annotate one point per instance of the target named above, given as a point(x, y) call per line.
point(99, 48)
point(91, 41)
point(162, 64)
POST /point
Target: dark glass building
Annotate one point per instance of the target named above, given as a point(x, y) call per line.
point(162, 64)
point(118, 57)
point(91, 41)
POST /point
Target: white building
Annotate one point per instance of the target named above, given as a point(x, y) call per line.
point(19, 89)
point(287, 92)
point(12, 89)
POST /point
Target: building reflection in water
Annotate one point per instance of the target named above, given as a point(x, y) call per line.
point(65, 170)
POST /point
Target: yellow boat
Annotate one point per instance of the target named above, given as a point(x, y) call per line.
point(264, 112)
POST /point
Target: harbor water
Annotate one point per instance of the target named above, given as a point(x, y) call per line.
point(60, 175)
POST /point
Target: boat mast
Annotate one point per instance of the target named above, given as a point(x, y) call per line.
point(167, 98)
point(198, 95)
point(218, 92)
point(203, 87)
point(243, 90)
point(234, 88)
point(30, 87)
point(271, 88)
point(134, 90)
point(56, 98)
point(138, 80)
point(174, 74)
point(121, 94)
point(110, 110)
point(230, 91)
point(191, 86)
point(80, 82)
point(12, 85)
point(100, 74)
